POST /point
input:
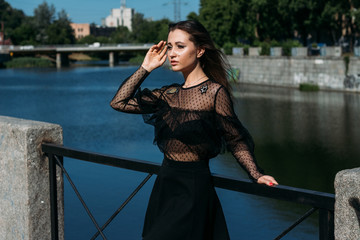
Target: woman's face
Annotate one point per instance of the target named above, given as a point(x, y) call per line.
point(182, 53)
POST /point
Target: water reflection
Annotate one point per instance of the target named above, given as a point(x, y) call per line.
point(303, 138)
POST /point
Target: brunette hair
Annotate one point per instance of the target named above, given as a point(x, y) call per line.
point(213, 61)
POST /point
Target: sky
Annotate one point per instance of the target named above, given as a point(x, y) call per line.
point(92, 11)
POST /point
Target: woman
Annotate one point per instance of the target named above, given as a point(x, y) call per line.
point(192, 121)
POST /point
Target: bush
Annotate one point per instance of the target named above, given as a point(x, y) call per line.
point(246, 49)
point(265, 46)
point(275, 43)
point(308, 87)
point(27, 62)
point(288, 44)
point(228, 48)
point(265, 49)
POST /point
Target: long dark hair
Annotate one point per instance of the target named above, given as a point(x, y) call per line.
point(213, 61)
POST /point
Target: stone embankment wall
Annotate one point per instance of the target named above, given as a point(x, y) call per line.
point(327, 72)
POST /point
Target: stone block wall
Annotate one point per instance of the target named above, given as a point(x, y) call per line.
point(327, 73)
point(24, 180)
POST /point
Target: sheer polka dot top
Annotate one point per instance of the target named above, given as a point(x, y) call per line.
point(191, 124)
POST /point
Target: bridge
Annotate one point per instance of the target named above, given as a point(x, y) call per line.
point(62, 51)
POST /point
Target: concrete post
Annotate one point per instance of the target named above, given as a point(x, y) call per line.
point(347, 205)
point(62, 59)
point(113, 59)
point(58, 60)
point(24, 180)
point(254, 51)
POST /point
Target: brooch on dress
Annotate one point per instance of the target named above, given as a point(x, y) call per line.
point(172, 90)
point(204, 88)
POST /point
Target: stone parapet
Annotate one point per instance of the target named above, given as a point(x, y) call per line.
point(254, 51)
point(24, 180)
point(347, 205)
point(326, 72)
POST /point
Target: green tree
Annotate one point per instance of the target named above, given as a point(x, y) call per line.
point(12, 18)
point(121, 35)
point(269, 22)
point(220, 18)
point(60, 31)
point(146, 31)
point(25, 34)
point(193, 16)
point(89, 39)
point(141, 28)
point(44, 15)
point(246, 23)
point(162, 28)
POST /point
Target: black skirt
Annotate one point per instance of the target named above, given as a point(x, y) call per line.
point(184, 205)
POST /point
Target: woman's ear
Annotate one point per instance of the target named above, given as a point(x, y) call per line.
point(200, 52)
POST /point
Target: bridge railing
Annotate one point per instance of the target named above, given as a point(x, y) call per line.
point(318, 201)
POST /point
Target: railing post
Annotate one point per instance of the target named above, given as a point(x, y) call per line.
point(326, 224)
point(53, 198)
point(25, 211)
point(347, 204)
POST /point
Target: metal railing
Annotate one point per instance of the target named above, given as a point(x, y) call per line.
point(318, 201)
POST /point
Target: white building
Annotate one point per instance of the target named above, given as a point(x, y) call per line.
point(120, 17)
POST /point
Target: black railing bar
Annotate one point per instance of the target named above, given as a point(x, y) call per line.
point(123, 205)
point(79, 197)
point(300, 220)
point(280, 192)
point(326, 224)
point(53, 198)
point(126, 163)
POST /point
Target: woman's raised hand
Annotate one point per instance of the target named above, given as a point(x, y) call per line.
point(155, 57)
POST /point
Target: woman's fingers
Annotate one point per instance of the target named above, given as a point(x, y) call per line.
point(155, 57)
point(268, 180)
point(163, 55)
point(158, 47)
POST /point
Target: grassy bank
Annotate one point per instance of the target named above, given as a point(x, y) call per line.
point(83, 57)
point(309, 87)
point(28, 62)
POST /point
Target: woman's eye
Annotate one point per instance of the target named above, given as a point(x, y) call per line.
point(181, 46)
point(169, 47)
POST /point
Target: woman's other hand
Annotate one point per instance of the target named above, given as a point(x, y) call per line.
point(155, 57)
point(268, 180)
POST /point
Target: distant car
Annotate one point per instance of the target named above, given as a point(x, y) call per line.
point(95, 44)
point(27, 47)
point(123, 44)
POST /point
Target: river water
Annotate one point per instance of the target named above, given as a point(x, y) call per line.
point(302, 138)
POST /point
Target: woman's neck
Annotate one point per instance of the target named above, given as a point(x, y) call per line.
point(194, 77)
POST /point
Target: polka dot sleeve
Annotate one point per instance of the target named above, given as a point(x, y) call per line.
point(237, 138)
point(129, 97)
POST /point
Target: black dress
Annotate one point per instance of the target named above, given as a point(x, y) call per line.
point(192, 125)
